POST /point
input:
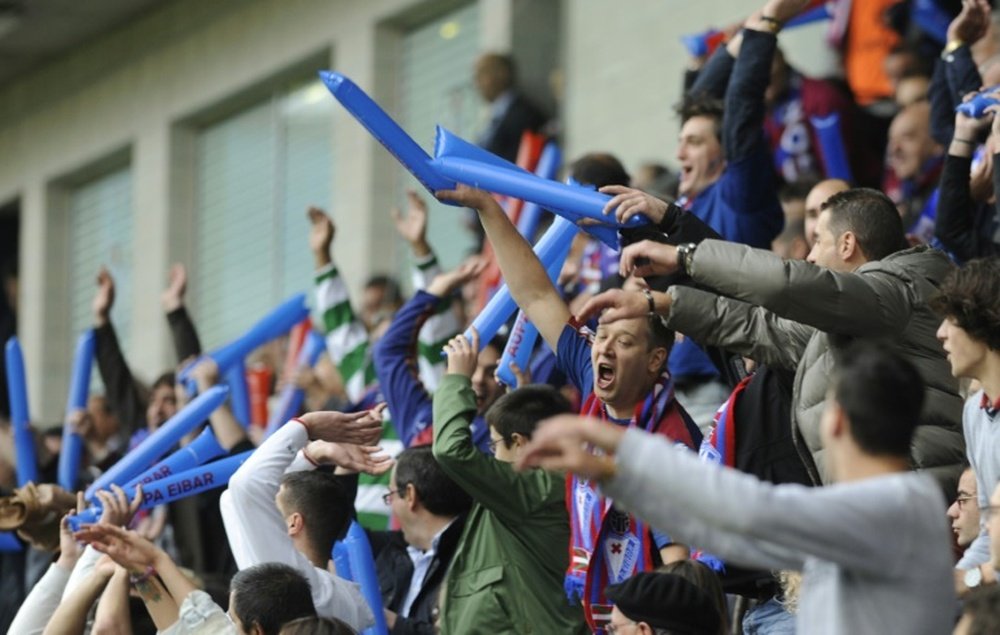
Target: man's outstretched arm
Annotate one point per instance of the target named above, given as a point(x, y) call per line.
point(524, 274)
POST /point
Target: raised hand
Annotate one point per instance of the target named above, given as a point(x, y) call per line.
point(628, 202)
point(521, 377)
point(118, 510)
point(413, 226)
point(614, 305)
point(972, 22)
point(359, 428)
point(559, 444)
point(445, 283)
point(369, 459)
point(172, 297)
point(205, 373)
point(104, 298)
point(126, 548)
point(469, 197)
point(463, 356)
point(321, 235)
point(648, 258)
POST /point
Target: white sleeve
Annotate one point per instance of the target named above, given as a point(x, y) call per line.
point(199, 615)
point(41, 603)
point(257, 532)
point(82, 570)
point(977, 553)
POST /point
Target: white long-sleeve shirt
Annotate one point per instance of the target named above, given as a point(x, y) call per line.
point(875, 554)
point(257, 533)
point(41, 603)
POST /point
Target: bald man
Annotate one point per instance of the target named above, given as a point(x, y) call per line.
point(913, 161)
point(815, 199)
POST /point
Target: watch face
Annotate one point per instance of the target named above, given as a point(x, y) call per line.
point(973, 577)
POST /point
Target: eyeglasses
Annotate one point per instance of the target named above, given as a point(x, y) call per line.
point(986, 512)
point(387, 497)
point(493, 445)
point(962, 500)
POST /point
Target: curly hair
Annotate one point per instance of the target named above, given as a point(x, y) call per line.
point(970, 296)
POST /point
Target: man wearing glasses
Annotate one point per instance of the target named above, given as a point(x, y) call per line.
point(964, 512)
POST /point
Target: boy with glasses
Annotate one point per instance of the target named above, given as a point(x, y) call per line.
point(969, 300)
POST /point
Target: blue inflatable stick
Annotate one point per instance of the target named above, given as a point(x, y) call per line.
point(385, 130)
point(79, 389)
point(239, 394)
point(9, 542)
point(203, 449)
point(520, 344)
point(531, 213)
point(291, 397)
point(26, 460)
point(831, 146)
point(816, 14)
point(572, 202)
point(352, 557)
point(976, 107)
point(551, 250)
point(274, 324)
point(159, 442)
point(167, 490)
point(932, 19)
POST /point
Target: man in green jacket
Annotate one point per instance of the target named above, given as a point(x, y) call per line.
point(507, 573)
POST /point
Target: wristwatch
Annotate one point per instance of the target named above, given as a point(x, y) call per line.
point(685, 256)
point(973, 577)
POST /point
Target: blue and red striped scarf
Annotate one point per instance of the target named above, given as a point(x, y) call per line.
point(720, 444)
point(606, 545)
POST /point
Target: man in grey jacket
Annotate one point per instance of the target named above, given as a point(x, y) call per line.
point(854, 579)
point(858, 283)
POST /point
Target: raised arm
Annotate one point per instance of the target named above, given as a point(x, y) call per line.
point(397, 352)
point(524, 274)
point(346, 336)
point(492, 483)
point(228, 432)
point(120, 389)
point(182, 330)
point(956, 209)
point(871, 303)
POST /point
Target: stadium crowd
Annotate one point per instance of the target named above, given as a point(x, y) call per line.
point(761, 415)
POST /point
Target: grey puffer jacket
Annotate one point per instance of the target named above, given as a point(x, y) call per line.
point(794, 315)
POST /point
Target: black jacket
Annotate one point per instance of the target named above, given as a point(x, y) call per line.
point(394, 569)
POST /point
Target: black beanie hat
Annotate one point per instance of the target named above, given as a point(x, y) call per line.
point(665, 600)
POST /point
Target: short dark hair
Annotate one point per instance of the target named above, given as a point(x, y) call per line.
point(599, 169)
point(702, 105)
point(797, 190)
point(167, 379)
point(269, 595)
point(393, 292)
point(317, 626)
point(970, 295)
point(324, 503)
point(982, 605)
point(519, 411)
point(438, 493)
point(871, 216)
point(882, 395)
